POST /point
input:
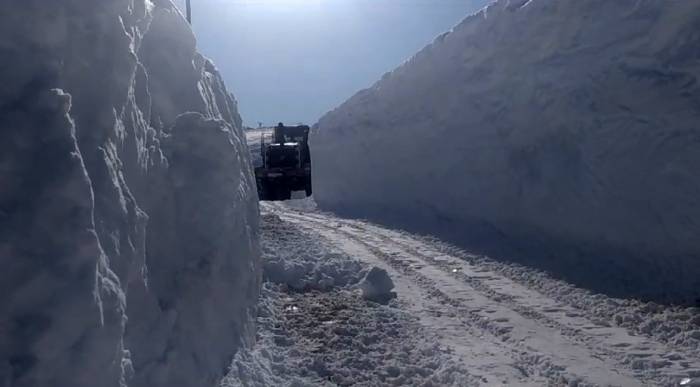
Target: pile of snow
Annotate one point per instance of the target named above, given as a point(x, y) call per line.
point(305, 204)
point(567, 129)
point(128, 230)
point(292, 258)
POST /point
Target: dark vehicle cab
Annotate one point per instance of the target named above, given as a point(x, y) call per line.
point(286, 163)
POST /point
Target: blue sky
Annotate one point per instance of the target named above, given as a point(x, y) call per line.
point(293, 60)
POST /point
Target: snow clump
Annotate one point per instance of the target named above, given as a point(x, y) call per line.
point(304, 263)
point(377, 286)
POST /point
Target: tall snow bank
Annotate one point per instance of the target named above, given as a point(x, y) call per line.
point(568, 129)
point(128, 230)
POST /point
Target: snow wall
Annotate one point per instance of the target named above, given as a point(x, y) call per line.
point(568, 131)
point(128, 213)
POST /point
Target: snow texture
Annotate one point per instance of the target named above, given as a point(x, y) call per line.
point(307, 266)
point(128, 230)
point(564, 130)
point(506, 324)
point(329, 335)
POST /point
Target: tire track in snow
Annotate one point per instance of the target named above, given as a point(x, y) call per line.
point(598, 308)
point(560, 292)
point(528, 360)
point(618, 351)
point(528, 364)
point(612, 354)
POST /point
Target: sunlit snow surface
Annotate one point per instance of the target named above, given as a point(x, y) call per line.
point(459, 319)
point(315, 329)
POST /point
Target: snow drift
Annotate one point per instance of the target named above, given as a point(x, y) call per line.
point(128, 230)
point(568, 129)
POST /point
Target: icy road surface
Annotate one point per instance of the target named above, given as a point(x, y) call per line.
point(501, 324)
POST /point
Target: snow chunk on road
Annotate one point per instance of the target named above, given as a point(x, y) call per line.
point(377, 286)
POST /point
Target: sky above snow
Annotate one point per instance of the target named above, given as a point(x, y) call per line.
point(294, 60)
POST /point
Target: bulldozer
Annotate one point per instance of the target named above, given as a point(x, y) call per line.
point(286, 163)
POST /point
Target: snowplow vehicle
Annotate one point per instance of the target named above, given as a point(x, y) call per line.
point(286, 163)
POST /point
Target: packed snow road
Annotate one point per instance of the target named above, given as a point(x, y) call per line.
point(504, 324)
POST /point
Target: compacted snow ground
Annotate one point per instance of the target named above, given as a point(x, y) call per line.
point(314, 328)
point(458, 319)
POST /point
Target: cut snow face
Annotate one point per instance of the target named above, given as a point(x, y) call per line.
point(559, 134)
point(128, 213)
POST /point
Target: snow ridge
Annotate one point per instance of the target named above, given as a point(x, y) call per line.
point(564, 130)
point(128, 229)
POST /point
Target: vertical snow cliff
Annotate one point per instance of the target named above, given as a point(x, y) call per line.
point(128, 213)
point(567, 129)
